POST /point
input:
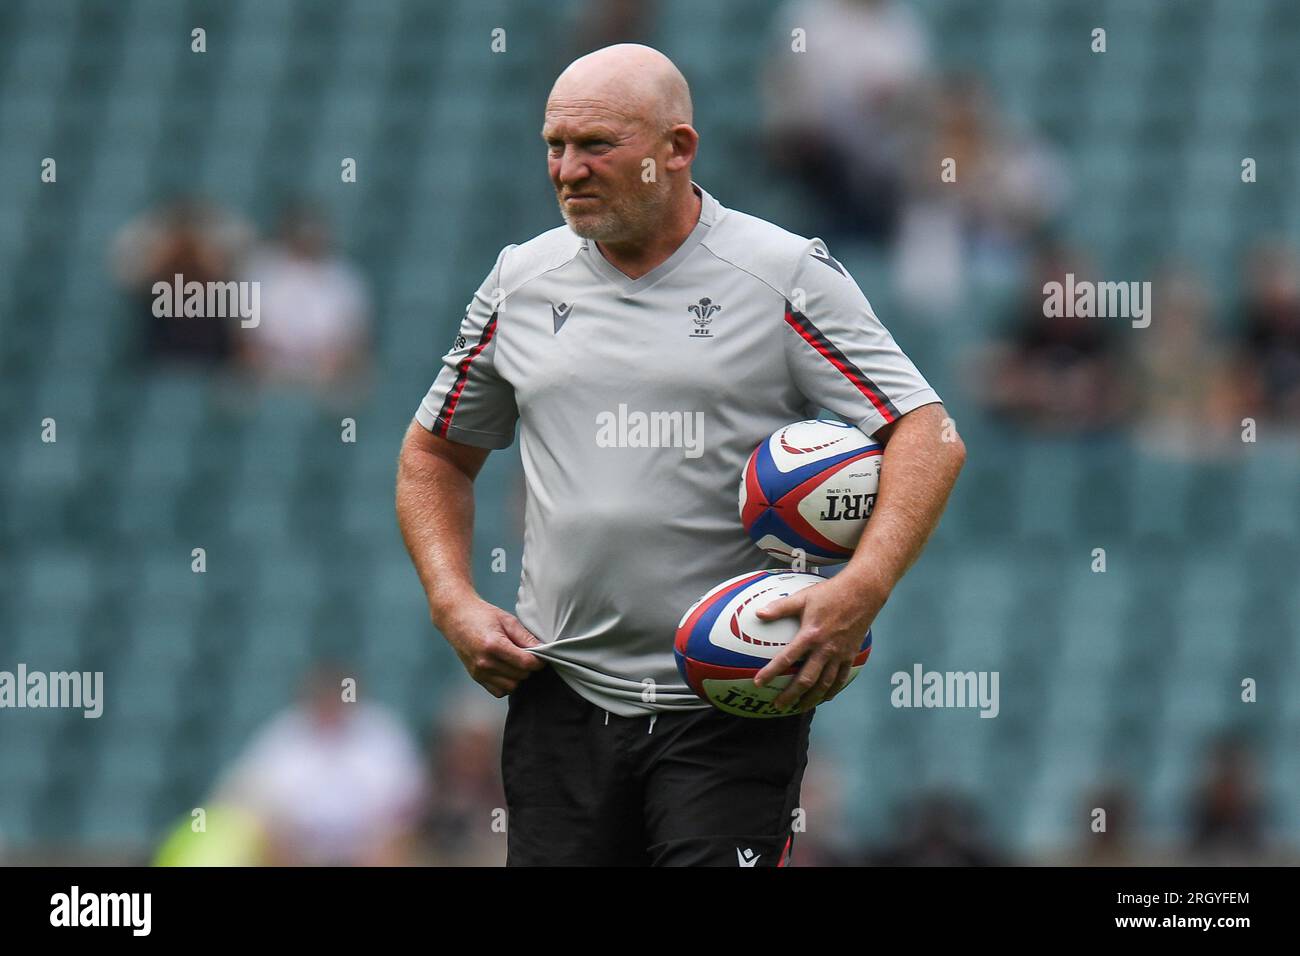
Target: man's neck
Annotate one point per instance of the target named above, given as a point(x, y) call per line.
point(637, 258)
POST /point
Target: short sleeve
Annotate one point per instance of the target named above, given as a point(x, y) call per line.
point(839, 354)
point(469, 402)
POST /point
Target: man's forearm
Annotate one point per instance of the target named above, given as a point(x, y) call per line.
point(435, 511)
point(920, 466)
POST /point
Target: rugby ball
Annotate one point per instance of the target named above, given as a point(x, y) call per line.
point(808, 490)
point(721, 643)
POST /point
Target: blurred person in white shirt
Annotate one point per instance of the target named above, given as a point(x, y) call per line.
point(332, 782)
point(314, 326)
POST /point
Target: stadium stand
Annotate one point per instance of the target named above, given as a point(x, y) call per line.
point(1122, 672)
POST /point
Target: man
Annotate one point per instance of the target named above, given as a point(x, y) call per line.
point(653, 298)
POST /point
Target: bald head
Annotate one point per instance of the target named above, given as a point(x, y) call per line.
point(620, 146)
point(633, 81)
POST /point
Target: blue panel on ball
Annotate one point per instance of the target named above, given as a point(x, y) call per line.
point(776, 484)
point(698, 647)
point(769, 522)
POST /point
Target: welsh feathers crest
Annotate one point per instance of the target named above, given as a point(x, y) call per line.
point(703, 311)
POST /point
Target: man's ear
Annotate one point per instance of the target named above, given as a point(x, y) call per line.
point(685, 143)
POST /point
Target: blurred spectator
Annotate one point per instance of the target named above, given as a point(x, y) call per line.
point(1227, 806)
point(465, 822)
point(826, 838)
point(1186, 395)
point(315, 310)
point(979, 194)
point(1060, 373)
point(1115, 845)
point(192, 238)
point(331, 782)
point(229, 836)
point(939, 830)
point(1270, 324)
point(605, 22)
point(841, 116)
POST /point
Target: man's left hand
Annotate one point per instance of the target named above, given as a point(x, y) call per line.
point(834, 618)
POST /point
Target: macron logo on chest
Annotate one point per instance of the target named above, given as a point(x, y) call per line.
point(560, 313)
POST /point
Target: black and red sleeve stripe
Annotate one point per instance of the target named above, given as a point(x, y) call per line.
point(462, 375)
point(814, 337)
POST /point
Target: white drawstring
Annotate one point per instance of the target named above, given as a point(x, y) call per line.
point(653, 718)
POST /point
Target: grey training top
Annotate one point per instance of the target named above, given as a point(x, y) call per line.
point(639, 401)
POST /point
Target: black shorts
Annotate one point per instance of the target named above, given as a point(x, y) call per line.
point(693, 788)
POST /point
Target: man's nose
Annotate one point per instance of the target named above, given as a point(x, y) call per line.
point(572, 167)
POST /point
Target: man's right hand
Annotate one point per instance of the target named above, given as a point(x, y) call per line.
point(490, 642)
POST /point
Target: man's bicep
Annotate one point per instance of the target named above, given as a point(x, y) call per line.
point(930, 414)
point(468, 459)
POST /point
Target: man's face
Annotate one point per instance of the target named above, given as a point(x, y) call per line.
point(596, 159)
